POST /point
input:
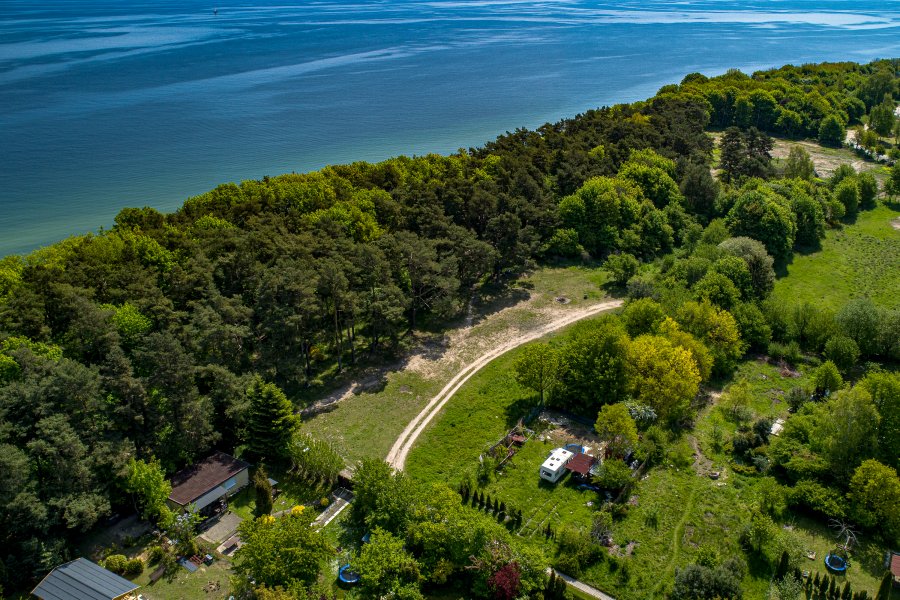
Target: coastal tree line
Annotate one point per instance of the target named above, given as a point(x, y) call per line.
point(143, 341)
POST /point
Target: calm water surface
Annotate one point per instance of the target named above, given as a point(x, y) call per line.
point(111, 104)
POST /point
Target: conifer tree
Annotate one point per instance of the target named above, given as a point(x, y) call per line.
point(847, 594)
point(263, 492)
point(884, 590)
point(783, 565)
point(271, 421)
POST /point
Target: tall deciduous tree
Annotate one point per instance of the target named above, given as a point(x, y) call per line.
point(149, 487)
point(281, 551)
point(662, 375)
point(616, 427)
point(271, 422)
point(537, 368)
point(385, 566)
point(875, 497)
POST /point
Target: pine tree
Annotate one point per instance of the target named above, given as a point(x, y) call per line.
point(831, 586)
point(496, 506)
point(263, 492)
point(271, 421)
point(847, 594)
point(503, 507)
point(884, 590)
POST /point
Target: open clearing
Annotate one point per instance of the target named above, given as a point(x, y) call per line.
point(860, 260)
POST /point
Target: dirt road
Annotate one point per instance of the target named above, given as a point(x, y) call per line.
point(397, 456)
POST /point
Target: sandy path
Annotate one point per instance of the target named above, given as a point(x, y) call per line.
point(397, 456)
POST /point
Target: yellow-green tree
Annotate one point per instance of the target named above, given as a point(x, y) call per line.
point(875, 497)
point(662, 375)
point(616, 427)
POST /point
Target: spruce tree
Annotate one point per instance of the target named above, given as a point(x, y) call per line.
point(271, 421)
point(847, 594)
point(496, 506)
point(263, 492)
point(503, 507)
point(831, 586)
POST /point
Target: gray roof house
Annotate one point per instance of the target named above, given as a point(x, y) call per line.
point(83, 580)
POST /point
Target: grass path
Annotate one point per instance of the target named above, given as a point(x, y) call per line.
point(407, 439)
point(676, 541)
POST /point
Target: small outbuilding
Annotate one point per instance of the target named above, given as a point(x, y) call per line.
point(555, 465)
point(210, 480)
point(892, 562)
point(82, 579)
point(581, 464)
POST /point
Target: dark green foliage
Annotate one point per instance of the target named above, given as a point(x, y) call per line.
point(885, 588)
point(622, 267)
point(832, 131)
point(763, 216)
point(263, 491)
point(745, 154)
point(271, 422)
point(784, 565)
point(842, 351)
point(142, 341)
point(699, 582)
point(592, 367)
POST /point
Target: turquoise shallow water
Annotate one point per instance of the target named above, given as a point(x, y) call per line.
point(111, 104)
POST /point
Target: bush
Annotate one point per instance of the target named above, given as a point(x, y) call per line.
point(789, 352)
point(622, 267)
point(117, 563)
point(155, 555)
point(842, 351)
point(134, 567)
point(797, 397)
point(817, 498)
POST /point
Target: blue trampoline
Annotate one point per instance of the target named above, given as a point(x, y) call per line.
point(836, 563)
point(574, 448)
point(347, 575)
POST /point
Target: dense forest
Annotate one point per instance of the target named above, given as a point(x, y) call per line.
point(157, 339)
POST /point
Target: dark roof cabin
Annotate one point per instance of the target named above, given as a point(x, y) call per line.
point(82, 580)
point(581, 464)
point(216, 477)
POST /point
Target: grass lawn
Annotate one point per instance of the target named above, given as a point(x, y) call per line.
point(540, 501)
point(188, 586)
point(859, 260)
point(366, 424)
point(293, 492)
point(480, 413)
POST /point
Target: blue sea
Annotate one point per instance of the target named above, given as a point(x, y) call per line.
point(106, 104)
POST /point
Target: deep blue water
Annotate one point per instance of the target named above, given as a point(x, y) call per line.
point(111, 103)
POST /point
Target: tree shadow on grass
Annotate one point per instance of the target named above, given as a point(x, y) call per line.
point(519, 409)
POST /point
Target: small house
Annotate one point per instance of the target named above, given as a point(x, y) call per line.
point(555, 465)
point(82, 579)
point(208, 483)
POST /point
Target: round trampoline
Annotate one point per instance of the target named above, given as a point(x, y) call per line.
point(836, 563)
point(574, 448)
point(347, 575)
